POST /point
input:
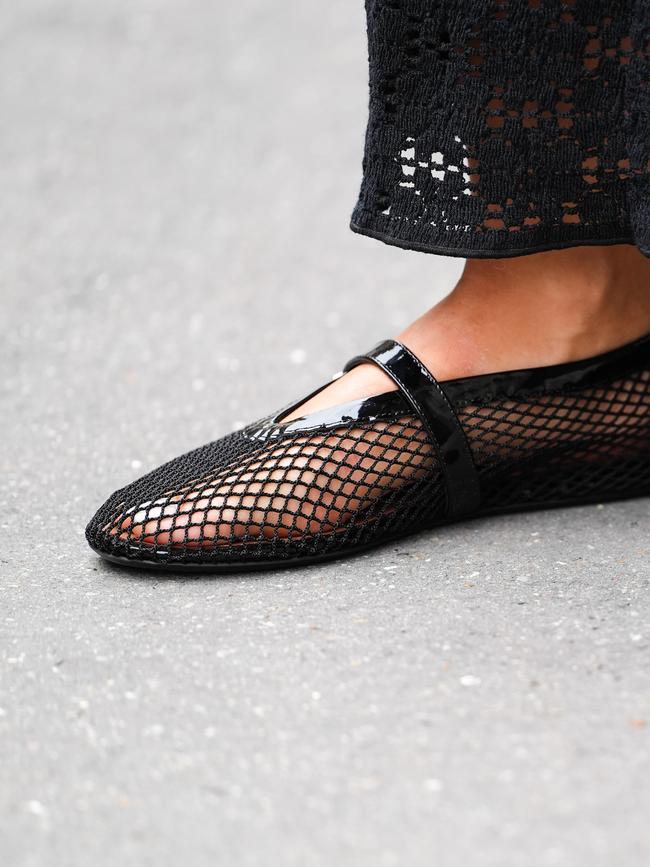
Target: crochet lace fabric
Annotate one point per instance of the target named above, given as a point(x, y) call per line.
point(501, 127)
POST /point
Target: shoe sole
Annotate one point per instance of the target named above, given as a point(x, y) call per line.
point(313, 560)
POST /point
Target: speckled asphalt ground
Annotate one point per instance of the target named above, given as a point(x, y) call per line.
point(176, 179)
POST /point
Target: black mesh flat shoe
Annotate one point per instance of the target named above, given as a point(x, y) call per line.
point(354, 476)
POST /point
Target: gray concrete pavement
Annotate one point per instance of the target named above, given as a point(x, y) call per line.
point(176, 182)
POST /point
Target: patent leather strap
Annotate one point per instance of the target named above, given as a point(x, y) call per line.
point(430, 402)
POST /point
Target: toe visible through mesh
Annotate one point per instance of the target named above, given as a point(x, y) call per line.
point(310, 490)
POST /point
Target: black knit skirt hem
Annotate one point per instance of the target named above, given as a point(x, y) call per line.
point(511, 244)
point(504, 128)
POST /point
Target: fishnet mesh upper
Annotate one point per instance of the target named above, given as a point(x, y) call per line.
point(498, 126)
point(267, 494)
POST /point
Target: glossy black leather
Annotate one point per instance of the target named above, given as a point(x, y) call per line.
point(515, 384)
point(428, 399)
point(391, 405)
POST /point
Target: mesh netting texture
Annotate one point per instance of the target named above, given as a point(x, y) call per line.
point(507, 126)
point(272, 493)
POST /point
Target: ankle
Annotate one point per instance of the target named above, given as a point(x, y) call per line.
point(536, 310)
point(578, 302)
point(531, 311)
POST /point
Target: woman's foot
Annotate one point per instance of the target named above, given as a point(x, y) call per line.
point(371, 471)
point(529, 311)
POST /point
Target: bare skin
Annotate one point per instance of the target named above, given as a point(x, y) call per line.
point(529, 311)
point(503, 314)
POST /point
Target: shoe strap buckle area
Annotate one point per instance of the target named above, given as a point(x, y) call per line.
point(429, 401)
